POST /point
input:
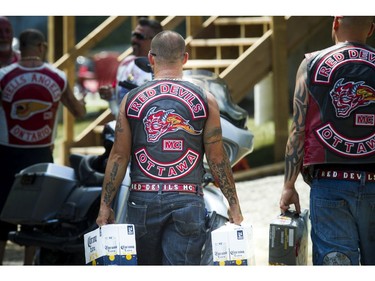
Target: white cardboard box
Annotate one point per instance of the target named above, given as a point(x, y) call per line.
point(233, 245)
point(111, 244)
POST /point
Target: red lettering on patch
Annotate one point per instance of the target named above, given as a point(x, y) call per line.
point(364, 119)
point(173, 145)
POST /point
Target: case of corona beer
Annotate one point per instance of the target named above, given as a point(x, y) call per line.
point(233, 245)
point(111, 244)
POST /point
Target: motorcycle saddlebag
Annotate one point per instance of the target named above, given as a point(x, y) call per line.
point(38, 193)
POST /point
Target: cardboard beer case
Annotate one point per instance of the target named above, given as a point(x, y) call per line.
point(233, 245)
point(111, 244)
point(288, 239)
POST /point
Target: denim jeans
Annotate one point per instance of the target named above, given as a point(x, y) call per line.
point(342, 215)
point(170, 227)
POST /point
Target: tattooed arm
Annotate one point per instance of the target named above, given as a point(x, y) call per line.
point(219, 162)
point(116, 167)
point(294, 151)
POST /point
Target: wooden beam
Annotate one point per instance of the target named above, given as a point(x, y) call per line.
point(242, 20)
point(249, 68)
point(88, 135)
point(55, 37)
point(224, 42)
point(193, 25)
point(302, 28)
point(256, 61)
point(280, 86)
point(68, 118)
point(223, 63)
point(90, 40)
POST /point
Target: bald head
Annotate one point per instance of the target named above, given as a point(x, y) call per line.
point(33, 43)
point(31, 38)
point(168, 46)
point(356, 21)
point(352, 28)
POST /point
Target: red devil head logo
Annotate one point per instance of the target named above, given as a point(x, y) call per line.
point(161, 122)
point(349, 96)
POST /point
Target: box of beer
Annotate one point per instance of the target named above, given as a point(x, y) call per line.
point(288, 239)
point(111, 244)
point(233, 245)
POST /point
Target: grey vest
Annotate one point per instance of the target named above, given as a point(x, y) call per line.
point(167, 118)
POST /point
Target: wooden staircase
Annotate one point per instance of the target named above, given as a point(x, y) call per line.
point(223, 40)
point(238, 49)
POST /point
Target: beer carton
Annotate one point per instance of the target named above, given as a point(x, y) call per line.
point(111, 244)
point(288, 239)
point(233, 245)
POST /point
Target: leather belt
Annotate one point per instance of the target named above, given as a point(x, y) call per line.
point(167, 187)
point(344, 175)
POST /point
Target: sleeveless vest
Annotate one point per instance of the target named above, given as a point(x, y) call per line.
point(167, 119)
point(340, 118)
point(30, 98)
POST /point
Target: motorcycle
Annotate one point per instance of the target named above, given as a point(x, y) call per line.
point(59, 204)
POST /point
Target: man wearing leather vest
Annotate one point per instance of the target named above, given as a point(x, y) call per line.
point(332, 143)
point(30, 93)
point(164, 128)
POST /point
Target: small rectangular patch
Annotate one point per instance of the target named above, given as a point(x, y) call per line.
point(172, 145)
point(364, 119)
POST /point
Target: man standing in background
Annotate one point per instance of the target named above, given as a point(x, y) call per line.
point(7, 54)
point(128, 71)
point(30, 93)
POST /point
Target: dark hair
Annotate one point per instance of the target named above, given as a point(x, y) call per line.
point(31, 37)
point(154, 25)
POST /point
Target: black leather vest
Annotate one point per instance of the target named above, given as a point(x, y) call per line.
point(340, 120)
point(167, 118)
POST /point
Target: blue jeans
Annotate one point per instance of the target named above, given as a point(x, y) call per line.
point(170, 227)
point(342, 215)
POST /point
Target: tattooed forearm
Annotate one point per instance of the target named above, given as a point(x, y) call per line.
point(213, 136)
point(110, 187)
point(119, 129)
point(223, 176)
point(293, 161)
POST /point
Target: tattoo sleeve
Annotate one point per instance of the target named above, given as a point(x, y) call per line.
point(220, 167)
point(110, 186)
point(213, 136)
point(295, 145)
point(119, 129)
point(222, 173)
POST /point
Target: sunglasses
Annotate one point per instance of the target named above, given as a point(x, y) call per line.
point(140, 36)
